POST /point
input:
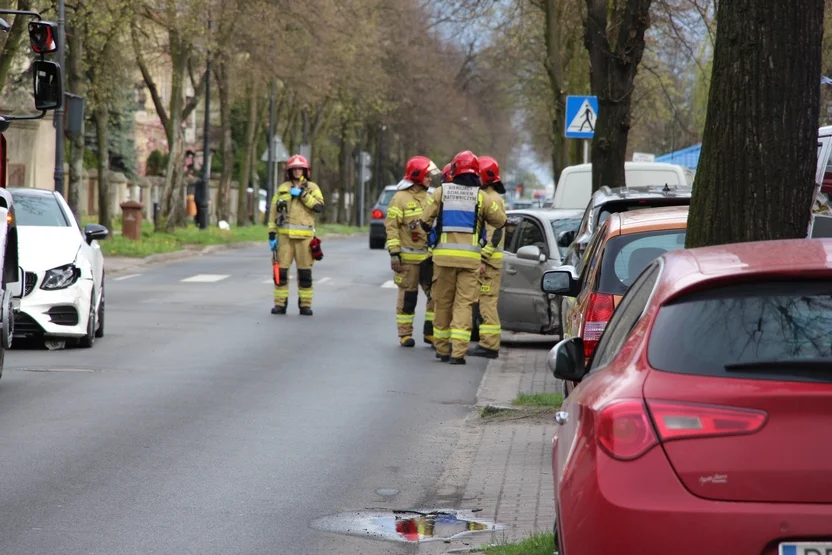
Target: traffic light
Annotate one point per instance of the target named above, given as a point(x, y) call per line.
point(42, 37)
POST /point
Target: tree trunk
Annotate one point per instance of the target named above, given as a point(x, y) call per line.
point(613, 65)
point(172, 189)
point(554, 70)
point(76, 84)
point(102, 131)
point(756, 177)
point(246, 170)
point(224, 191)
point(343, 175)
point(13, 40)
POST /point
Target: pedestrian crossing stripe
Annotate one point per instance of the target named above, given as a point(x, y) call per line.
point(389, 285)
point(584, 120)
point(205, 278)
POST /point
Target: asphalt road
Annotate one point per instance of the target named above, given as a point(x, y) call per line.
point(203, 424)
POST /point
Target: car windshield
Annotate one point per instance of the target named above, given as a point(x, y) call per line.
point(625, 256)
point(766, 330)
point(564, 224)
point(384, 200)
point(38, 210)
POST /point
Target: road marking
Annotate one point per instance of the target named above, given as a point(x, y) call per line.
point(389, 284)
point(324, 280)
point(205, 278)
point(122, 278)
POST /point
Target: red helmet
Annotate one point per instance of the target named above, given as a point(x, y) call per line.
point(416, 169)
point(489, 170)
point(297, 161)
point(446, 174)
point(465, 162)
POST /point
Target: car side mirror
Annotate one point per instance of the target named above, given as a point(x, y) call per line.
point(531, 252)
point(16, 288)
point(566, 360)
point(561, 281)
point(95, 232)
point(565, 238)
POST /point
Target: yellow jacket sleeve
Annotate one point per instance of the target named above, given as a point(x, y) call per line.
point(431, 210)
point(313, 199)
point(273, 214)
point(393, 223)
point(490, 247)
point(495, 213)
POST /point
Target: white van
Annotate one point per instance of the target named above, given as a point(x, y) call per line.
point(574, 188)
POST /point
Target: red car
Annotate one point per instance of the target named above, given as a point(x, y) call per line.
point(702, 422)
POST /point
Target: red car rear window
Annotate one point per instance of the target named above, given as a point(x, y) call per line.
point(772, 330)
point(625, 256)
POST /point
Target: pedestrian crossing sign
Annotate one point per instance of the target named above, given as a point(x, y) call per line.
point(581, 115)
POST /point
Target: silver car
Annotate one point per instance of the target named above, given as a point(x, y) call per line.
point(530, 250)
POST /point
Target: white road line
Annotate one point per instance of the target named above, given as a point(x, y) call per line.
point(268, 281)
point(389, 284)
point(324, 280)
point(122, 278)
point(205, 278)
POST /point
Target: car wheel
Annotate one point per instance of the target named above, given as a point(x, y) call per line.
point(376, 243)
point(100, 331)
point(89, 340)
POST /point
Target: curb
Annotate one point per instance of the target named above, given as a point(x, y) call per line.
point(210, 249)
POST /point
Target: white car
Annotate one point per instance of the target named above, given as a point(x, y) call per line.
point(63, 295)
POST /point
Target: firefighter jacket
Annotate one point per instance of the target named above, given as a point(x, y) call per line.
point(405, 207)
point(295, 216)
point(492, 252)
point(462, 211)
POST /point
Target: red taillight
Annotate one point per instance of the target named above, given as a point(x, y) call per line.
point(686, 420)
point(625, 431)
point(378, 214)
point(598, 313)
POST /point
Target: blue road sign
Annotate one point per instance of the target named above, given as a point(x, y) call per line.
point(581, 115)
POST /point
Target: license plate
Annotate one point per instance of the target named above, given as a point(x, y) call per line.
point(806, 548)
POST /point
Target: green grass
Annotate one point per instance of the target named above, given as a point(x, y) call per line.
point(552, 400)
point(157, 243)
point(539, 544)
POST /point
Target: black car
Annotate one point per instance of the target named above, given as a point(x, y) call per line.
point(606, 201)
point(378, 236)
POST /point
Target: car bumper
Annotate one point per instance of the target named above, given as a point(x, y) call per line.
point(377, 230)
point(605, 505)
point(61, 313)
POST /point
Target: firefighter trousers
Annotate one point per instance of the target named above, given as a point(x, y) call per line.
point(454, 292)
point(297, 251)
point(407, 280)
point(489, 330)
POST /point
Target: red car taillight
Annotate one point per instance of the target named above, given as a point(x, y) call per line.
point(626, 431)
point(598, 313)
point(378, 214)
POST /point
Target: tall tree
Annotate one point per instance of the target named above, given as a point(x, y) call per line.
point(614, 39)
point(12, 40)
point(756, 173)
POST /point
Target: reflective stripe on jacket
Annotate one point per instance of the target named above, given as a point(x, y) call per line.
point(493, 254)
point(406, 206)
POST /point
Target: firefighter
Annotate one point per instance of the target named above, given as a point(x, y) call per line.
point(292, 217)
point(461, 211)
point(485, 311)
point(409, 257)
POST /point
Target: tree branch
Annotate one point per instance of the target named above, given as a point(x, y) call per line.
point(158, 102)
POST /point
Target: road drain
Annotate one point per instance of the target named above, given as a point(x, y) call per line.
point(405, 526)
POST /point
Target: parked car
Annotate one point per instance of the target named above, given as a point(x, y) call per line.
point(574, 188)
point(606, 201)
point(378, 235)
point(702, 408)
point(64, 278)
point(620, 249)
point(531, 249)
point(12, 274)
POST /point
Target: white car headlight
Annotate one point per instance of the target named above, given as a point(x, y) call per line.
point(60, 277)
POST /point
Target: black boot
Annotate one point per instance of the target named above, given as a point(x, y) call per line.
point(278, 309)
point(443, 358)
point(456, 361)
point(305, 311)
point(481, 351)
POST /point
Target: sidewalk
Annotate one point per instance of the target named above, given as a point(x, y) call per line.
point(504, 466)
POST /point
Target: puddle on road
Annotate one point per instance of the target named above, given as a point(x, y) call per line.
point(405, 526)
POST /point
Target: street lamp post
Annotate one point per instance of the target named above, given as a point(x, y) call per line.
point(59, 113)
point(206, 143)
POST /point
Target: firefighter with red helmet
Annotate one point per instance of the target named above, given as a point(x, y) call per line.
point(485, 311)
point(409, 256)
point(461, 211)
point(292, 220)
